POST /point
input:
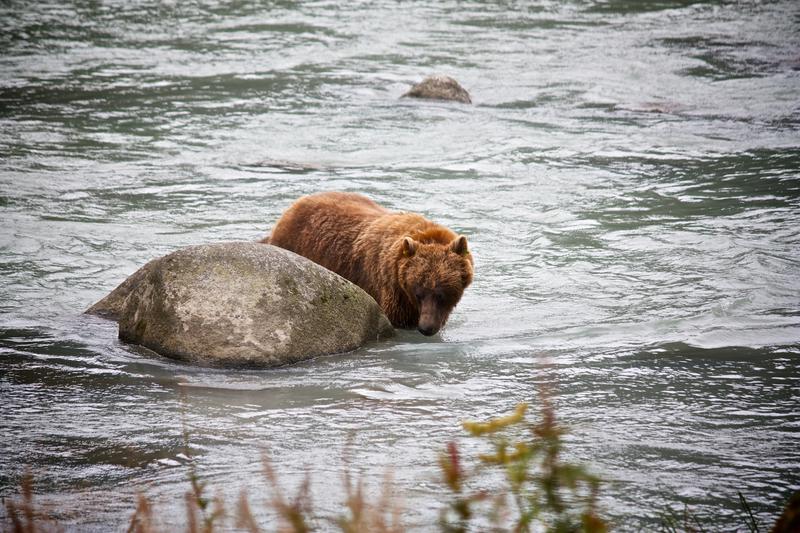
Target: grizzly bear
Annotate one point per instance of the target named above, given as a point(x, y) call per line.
point(415, 269)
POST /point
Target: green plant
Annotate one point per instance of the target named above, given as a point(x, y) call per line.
point(201, 513)
point(546, 492)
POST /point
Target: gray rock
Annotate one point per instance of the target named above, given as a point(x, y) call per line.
point(242, 304)
point(112, 306)
point(439, 88)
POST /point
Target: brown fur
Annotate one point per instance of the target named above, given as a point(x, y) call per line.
point(415, 269)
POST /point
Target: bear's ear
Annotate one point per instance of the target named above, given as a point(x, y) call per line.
point(409, 247)
point(459, 245)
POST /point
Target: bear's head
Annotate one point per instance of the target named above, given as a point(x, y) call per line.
point(433, 276)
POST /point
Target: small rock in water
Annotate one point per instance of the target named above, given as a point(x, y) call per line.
point(439, 88)
point(242, 304)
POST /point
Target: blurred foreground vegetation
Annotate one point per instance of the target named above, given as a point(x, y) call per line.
point(541, 492)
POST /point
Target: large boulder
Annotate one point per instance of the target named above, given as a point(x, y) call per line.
point(242, 304)
point(439, 88)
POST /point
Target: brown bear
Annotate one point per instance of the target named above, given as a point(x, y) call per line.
point(415, 269)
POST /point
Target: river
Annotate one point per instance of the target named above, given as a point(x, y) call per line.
point(628, 179)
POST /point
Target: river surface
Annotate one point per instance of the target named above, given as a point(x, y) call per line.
point(628, 178)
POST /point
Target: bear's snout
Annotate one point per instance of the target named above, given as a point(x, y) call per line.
point(428, 330)
point(431, 318)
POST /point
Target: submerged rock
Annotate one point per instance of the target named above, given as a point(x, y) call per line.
point(242, 304)
point(439, 88)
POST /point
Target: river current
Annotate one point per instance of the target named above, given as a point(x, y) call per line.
point(628, 179)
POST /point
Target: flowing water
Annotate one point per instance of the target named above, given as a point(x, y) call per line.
point(628, 178)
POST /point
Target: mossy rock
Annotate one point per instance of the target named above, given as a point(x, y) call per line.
point(242, 304)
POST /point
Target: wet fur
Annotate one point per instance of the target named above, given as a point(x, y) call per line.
point(415, 269)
